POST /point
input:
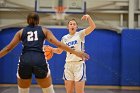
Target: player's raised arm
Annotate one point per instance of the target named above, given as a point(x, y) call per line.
point(11, 45)
point(91, 26)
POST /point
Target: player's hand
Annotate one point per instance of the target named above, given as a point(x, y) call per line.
point(82, 55)
point(85, 17)
point(47, 46)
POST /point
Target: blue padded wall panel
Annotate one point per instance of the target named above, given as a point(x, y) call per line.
point(8, 64)
point(103, 68)
point(130, 57)
point(114, 58)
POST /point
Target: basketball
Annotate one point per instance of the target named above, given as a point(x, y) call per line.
point(48, 52)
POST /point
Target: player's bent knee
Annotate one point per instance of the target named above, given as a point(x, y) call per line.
point(24, 83)
point(44, 83)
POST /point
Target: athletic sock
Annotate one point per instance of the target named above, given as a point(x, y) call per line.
point(23, 90)
point(48, 90)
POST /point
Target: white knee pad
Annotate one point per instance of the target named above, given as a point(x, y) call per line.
point(23, 90)
point(48, 90)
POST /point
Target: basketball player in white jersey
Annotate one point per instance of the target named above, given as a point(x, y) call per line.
point(75, 69)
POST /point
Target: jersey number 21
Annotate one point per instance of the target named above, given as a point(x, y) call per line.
point(32, 36)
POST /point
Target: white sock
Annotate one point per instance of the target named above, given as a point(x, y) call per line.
point(23, 90)
point(48, 90)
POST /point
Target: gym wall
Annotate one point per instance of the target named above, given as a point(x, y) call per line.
point(114, 58)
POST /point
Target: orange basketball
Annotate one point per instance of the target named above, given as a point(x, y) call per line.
point(48, 52)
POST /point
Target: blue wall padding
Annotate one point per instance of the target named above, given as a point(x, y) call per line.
point(114, 58)
point(104, 49)
point(130, 57)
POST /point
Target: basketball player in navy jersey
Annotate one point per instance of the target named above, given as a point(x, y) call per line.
point(32, 59)
point(75, 68)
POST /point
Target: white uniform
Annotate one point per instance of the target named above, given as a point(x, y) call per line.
point(75, 68)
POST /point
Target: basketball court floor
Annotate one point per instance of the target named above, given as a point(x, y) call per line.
point(14, 89)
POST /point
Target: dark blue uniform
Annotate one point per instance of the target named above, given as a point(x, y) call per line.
point(32, 60)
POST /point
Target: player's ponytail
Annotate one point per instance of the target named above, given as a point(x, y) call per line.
point(33, 19)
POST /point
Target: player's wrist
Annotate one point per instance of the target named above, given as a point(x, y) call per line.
point(76, 53)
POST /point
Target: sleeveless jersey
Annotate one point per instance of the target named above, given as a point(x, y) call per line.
point(32, 39)
point(76, 42)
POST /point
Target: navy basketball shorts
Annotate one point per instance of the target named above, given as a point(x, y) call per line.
point(32, 63)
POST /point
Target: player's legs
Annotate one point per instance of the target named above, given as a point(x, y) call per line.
point(46, 84)
point(24, 75)
point(80, 77)
point(75, 76)
point(79, 86)
point(43, 77)
point(69, 85)
point(23, 85)
point(69, 77)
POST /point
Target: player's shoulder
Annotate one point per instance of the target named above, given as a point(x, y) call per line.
point(45, 30)
point(81, 30)
point(20, 31)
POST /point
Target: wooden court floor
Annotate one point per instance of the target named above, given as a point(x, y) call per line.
point(61, 89)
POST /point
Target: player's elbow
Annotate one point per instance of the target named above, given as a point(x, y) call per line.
point(93, 27)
